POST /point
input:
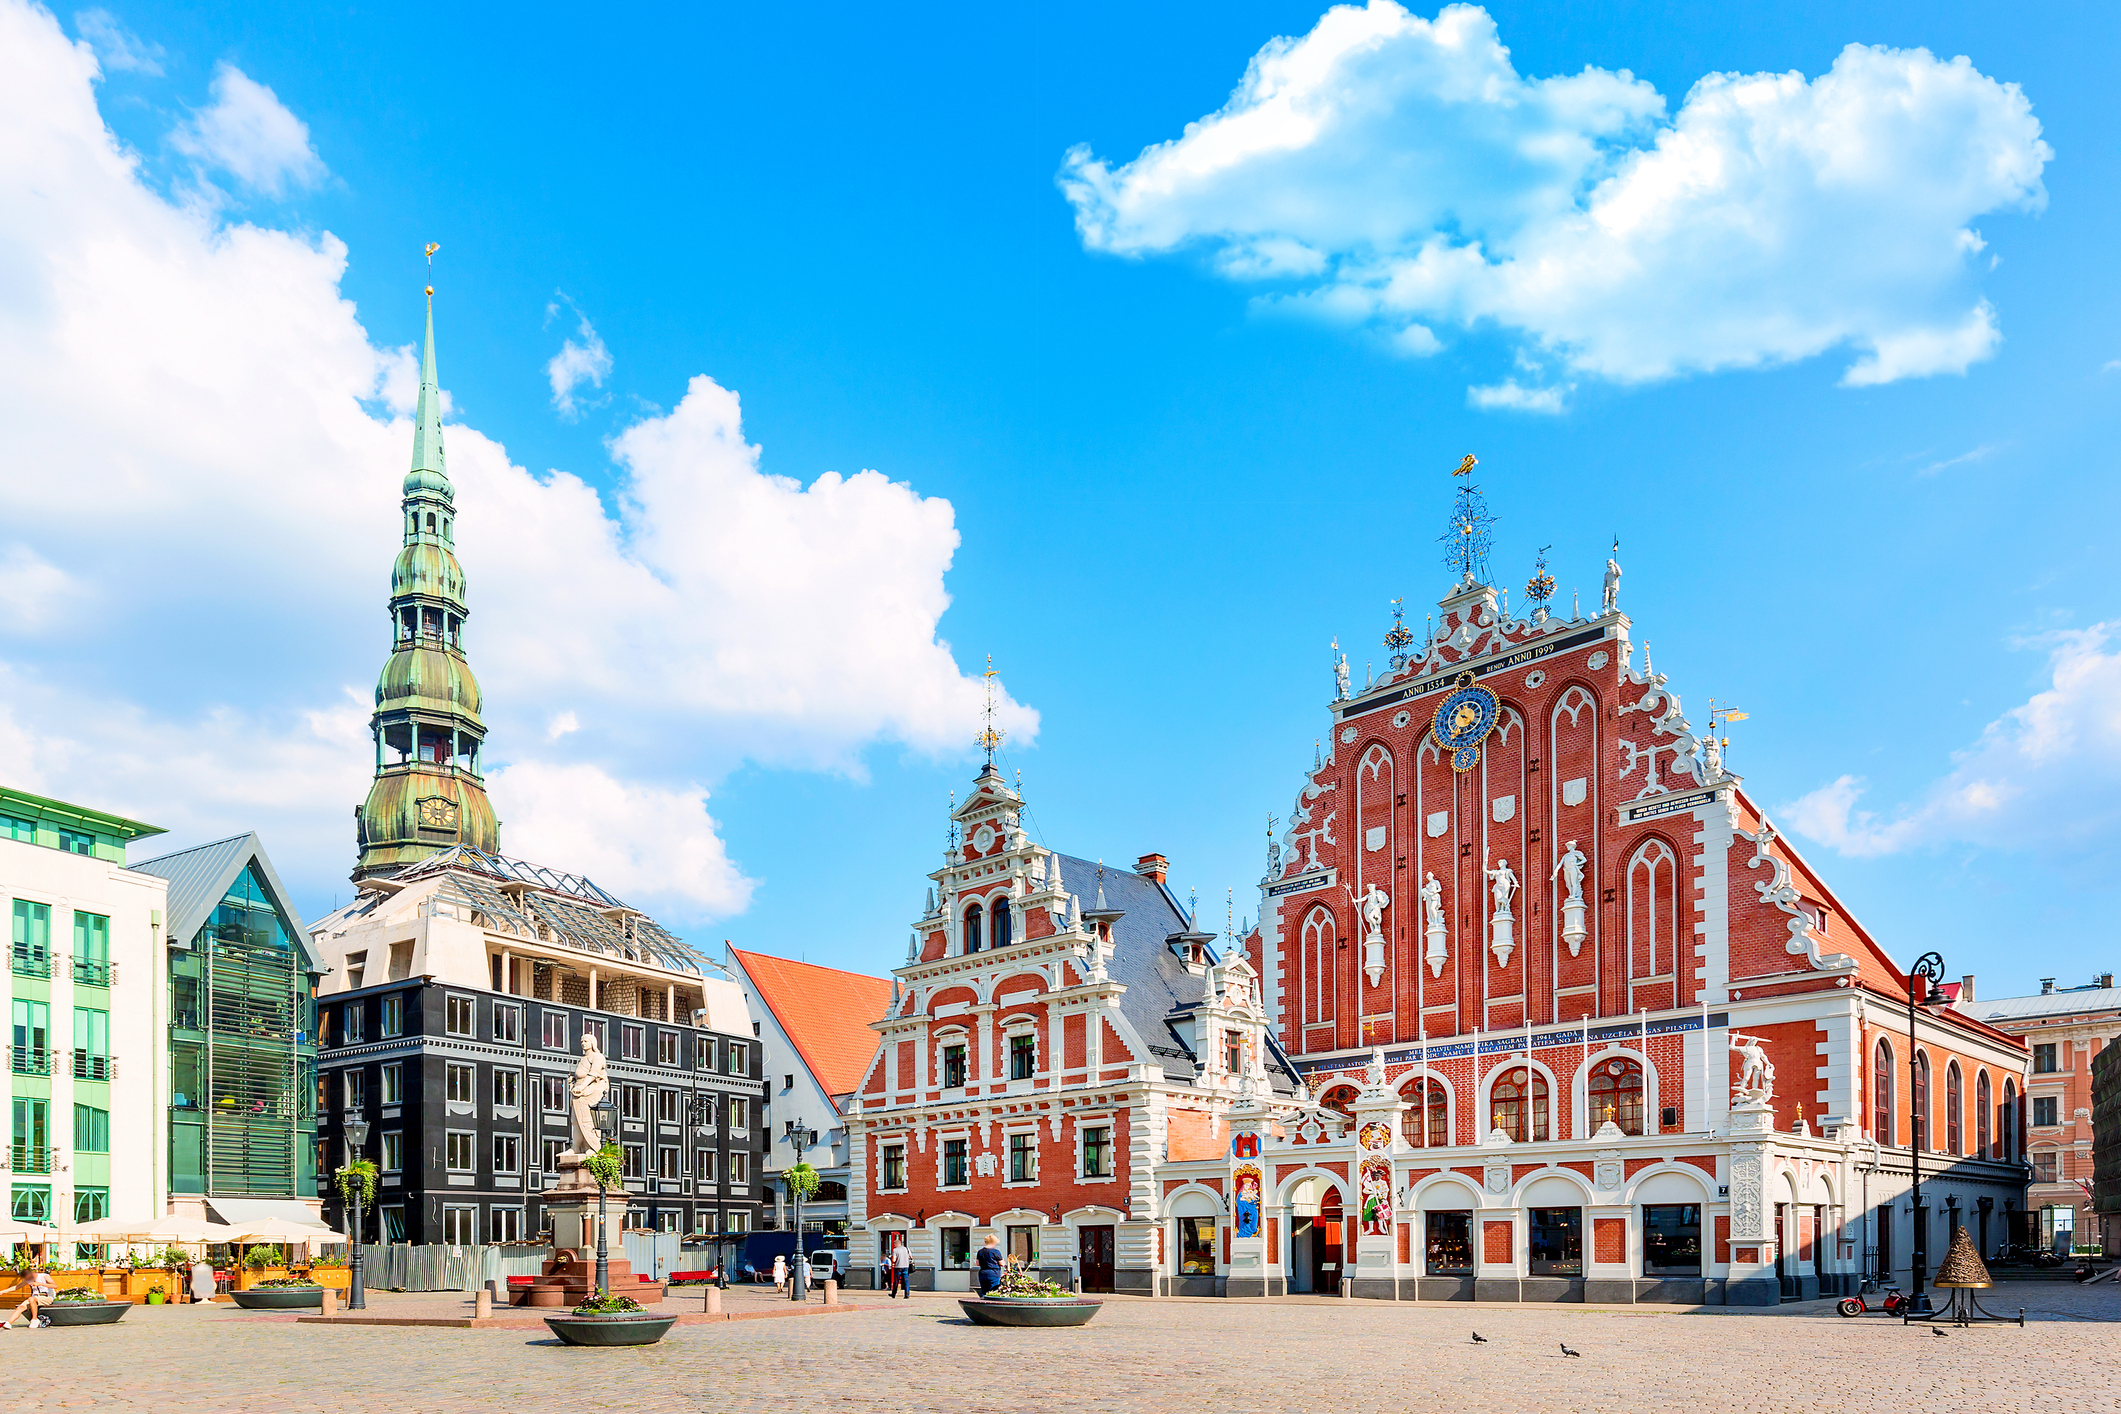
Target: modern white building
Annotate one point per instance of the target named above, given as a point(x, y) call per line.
point(87, 987)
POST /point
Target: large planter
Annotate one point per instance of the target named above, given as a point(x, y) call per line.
point(90, 1280)
point(141, 1280)
point(85, 1313)
point(628, 1329)
point(248, 1277)
point(337, 1278)
point(279, 1298)
point(1031, 1310)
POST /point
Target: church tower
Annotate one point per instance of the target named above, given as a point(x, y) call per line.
point(428, 793)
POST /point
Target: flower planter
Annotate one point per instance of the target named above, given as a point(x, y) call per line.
point(337, 1278)
point(248, 1277)
point(628, 1329)
point(85, 1313)
point(1030, 1310)
point(279, 1298)
point(90, 1280)
point(142, 1280)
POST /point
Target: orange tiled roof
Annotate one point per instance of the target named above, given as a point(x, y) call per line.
point(825, 1011)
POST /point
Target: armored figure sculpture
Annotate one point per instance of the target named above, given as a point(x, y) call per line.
point(1374, 903)
point(1756, 1073)
point(1611, 600)
point(587, 1090)
point(1570, 868)
point(1504, 885)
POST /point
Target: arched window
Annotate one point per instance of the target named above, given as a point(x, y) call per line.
point(2007, 1138)
point(1983, 1098)
point(1919, 1130)
point(1952, 1132)
point(1882, 1094)
point(1004, 923)
point(972, 928)
point(1430, 1124)
point(1339, 1099)
point(1518, 1104)
point(430, 522)
point(1653, 916)
point(1616, 1093)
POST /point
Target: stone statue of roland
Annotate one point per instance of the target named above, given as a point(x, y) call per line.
point(588, 1088)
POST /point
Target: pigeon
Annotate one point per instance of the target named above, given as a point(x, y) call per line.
point(1566, 1351)
point(1939, 1334)
point(1479, 1339)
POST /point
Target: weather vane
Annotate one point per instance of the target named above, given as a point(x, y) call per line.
point(1472, 528)
point(432, 247)
point(1540, 587)
point(1400, 636)
point(989, 738)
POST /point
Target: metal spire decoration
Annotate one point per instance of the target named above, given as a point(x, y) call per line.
point(1472, 528)
point(989, 738)
point(1540, 587)
point(1400, 636)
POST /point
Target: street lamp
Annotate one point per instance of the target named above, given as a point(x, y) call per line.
point(356, 1141)
point(1922, 980)
point(607, 1119)
point(803, 1138)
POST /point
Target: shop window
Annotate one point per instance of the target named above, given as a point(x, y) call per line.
point(1556, 1242)
point(1023, 1245)
point(956, 1171)
point(1671, 1239)
point(1450, 1244)
point(1196, 1247)
point(953, 1067)
point(1616, 1094)
point(1519, 1105)
point(957, 1248)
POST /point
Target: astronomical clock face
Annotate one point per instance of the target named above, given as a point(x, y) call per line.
point(1463, 720)
point(438, 814)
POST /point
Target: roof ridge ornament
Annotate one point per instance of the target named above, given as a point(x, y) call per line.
point(1471, 530)
point(989, 738)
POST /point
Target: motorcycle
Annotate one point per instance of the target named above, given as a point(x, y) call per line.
point(1890, 1300)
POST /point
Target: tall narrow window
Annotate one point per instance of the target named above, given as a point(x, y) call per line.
point(1519, 1103)
point(1951, 1108)
point(2009, 1140)
point(1023, 1056)
point(953, 1067)
point(1882, 1093)
point(972, 928)
point(1429, 1124)
point(1320, 959)
point(91, 949)
point(1004, 923)
point(1983, 1098)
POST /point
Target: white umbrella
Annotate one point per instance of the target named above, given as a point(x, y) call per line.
point(11, 1231)
point(280, 1230)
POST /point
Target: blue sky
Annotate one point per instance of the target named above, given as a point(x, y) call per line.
point(1152, 462)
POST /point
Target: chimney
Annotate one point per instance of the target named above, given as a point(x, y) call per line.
point(1152, 867)
point(2106, 979)
point(2047, 986)
point(1966, 990)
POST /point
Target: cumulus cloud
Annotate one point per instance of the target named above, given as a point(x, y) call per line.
point(2045, 775)
point(218, 548)
point(119, 49)
point(576, 363)
point(1401, 170)
point(249, 134)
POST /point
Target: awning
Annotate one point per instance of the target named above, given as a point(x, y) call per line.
point(241, 1211)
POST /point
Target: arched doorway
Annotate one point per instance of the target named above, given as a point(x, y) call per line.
point(1317, 1238)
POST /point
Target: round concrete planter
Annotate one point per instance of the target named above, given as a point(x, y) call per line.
point(279, 1298)
point(1031, 1310)
point(629, 1329)
point(86, 1313)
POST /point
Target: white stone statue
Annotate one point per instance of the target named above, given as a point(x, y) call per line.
point(1611, 600)
point(1711, 757)
point(1436, 933)
point(588, 1088)
point(1340, 677)
point(1374, 903)
point(1756, 1073)
point(1570, 867)
point(1503, 884)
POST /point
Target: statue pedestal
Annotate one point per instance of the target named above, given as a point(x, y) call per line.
point(1503, 938)
point(1573, 931)
point(570, 1277)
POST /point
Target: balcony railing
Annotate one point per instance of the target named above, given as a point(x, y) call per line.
point(30, 963)
point(91, 973)
point(90, 1066)
point(29, 1060)
point(24, 1159)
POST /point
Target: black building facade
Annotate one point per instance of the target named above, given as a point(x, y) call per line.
point(465, 1092)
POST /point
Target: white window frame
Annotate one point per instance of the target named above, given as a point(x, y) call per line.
point(393, 1086)
point(471, 1149)
point(501, 1073)
point(450, 1071)
point(971, 1169)
point(514, 1024)
point(1008, 1135)
point(505, 1225)
point(456, 1214)
point(513, 1145)
point(393, 1151)
point(1096, 1120)
point(449, 1015)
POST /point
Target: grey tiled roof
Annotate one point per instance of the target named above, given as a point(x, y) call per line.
point(199, 877)
point(2070, 1003)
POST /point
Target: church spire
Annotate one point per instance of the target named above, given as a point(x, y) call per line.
point(429, 791)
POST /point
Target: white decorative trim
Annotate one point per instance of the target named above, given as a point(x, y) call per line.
point(1779, 891)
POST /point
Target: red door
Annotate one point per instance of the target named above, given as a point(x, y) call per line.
point(1328, 1245)
point(1094, 1254)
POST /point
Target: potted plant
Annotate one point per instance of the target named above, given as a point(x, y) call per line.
point(605, 1319)
point(84, 1306)
point(1025, 1300)
point(332, 1272)
point(280, 1294)
point(261, 1264)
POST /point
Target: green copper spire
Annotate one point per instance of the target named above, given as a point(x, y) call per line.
point(429, 791)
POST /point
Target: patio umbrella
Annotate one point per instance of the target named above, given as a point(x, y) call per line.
point(12, 1231)
point(112, 1230)
point(280, 1230)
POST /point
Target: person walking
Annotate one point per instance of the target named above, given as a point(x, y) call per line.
point(42, 1292)
point(902, 1270)
point(780, 1274)
point(990, 1265)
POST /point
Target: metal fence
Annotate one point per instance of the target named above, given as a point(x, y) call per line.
point(435, 1267)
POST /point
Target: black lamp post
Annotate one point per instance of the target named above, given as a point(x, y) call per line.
point(356, 1141)
point(1922, 980)
point(607, 1118)
point(802, 1138)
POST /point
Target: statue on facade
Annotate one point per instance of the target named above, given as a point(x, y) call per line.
point(1503, 885)
point(1756, 1073)
point(1611, 600)
point(1570, 868)
point(1340, 678)
point(587, 1089)
point(1374, 902)
point(1435, 932)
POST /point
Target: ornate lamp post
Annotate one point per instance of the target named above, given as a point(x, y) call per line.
point(607, 1117)
point(356, 1142)
point(802, 1138)
point(1922, 980)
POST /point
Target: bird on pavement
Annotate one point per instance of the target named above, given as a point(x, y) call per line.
point(1479, 1339)
point(1566, 1351)
point(1939, 1334)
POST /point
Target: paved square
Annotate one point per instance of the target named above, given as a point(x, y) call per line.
point(1300, 1355)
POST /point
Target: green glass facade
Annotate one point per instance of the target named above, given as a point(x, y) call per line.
point(242, 1053)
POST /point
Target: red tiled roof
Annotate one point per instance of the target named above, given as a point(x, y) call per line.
point(825, 1011)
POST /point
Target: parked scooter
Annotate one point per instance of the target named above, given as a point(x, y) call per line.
point(1868, 1297)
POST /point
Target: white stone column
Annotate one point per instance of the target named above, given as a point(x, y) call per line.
point(984, 1068)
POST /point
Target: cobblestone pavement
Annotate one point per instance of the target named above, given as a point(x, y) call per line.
point(1298, 1355)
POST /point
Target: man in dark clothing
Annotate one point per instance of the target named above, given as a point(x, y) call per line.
point(990, 1266)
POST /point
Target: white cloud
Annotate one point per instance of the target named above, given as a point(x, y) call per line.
point(1402, 168)
point(1516, 397)
point(2044, 776)
point(249, 134)
point(575, 364)
point(31, 588)
point(1980, 453)
point(117, 47)
point(234, 440)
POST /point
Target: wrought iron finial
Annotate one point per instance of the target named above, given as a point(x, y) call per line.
point(1471, 531)
point(989, 738)
point(1400, 636)
point(1540, 587)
